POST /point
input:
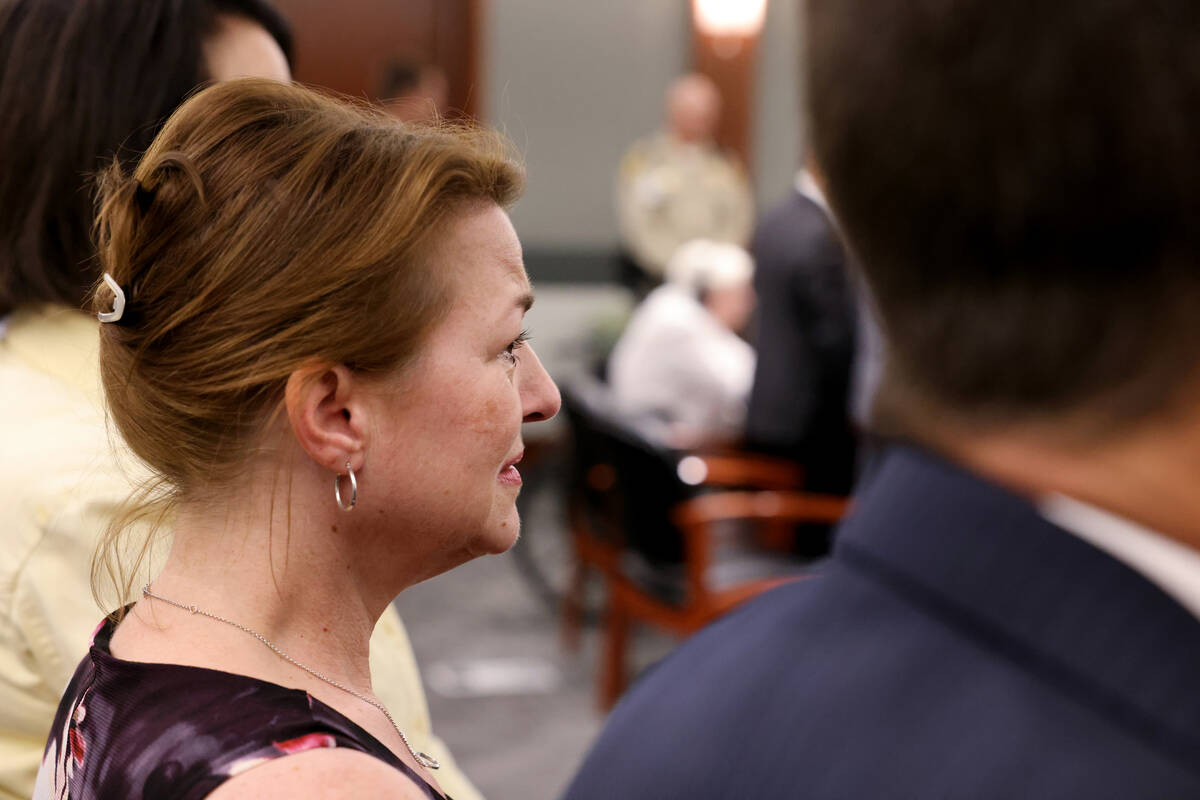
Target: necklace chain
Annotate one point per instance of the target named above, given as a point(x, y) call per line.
point(423, 759)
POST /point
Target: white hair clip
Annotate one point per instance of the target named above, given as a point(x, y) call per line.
point(118, 301)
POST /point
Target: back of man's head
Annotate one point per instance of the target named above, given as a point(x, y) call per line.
point(1021, 181)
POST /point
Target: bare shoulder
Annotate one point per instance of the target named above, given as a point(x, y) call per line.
point(321, 775)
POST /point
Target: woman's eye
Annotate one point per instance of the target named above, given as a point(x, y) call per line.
point(510, 353)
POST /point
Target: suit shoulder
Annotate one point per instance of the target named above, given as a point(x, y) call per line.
point(795, 214)
point(838, 672)
point(794, 233)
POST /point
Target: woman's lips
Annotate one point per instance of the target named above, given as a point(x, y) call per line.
point(509, 475)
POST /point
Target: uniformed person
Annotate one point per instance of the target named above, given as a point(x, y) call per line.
point(676, 185)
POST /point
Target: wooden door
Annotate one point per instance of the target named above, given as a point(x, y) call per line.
point(352, 46)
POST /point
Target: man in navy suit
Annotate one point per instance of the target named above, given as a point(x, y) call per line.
point(804, 335)
point(1011, 610)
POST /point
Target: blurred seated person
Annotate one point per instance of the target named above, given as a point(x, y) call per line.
point(414, 92)
point(680, 371)
point(804, 335)
point(677, 185)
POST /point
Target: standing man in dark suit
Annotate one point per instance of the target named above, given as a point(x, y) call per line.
point(804, 335)
point(1012, 609)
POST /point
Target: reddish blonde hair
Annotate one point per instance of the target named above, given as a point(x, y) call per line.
point(267, 226)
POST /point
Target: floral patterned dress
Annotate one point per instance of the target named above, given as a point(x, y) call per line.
point(130, 731)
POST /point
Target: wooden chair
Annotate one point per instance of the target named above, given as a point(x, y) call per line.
point(649, 520)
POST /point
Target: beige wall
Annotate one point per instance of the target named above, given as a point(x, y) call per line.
point(777, 139)
point(573, 82)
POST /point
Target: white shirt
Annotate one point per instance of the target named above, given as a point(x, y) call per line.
point(807, 185)
point(676, 361)
point(1168, 564)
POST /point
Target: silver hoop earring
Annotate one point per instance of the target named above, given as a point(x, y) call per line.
point(337, 489)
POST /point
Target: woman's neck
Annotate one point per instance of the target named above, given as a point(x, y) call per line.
point(281, 570)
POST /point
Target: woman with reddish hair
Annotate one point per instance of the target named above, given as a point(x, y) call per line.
point(312, 337)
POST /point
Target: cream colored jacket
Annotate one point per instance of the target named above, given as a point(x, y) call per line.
point(59, 485)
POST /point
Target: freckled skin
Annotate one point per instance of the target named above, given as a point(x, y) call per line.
point(447, 425)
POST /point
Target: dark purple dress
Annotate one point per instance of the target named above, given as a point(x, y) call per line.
point(127, 730)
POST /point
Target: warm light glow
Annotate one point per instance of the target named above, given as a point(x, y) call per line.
point(730, 17)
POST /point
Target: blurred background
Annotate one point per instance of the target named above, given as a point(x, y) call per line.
point(573, 84)
point(523, 653)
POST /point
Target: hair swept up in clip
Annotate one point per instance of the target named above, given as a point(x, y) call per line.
point(121, 203)
point(118, 309)
point(124, 201)
point(152, 175)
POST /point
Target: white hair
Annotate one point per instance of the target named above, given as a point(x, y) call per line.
point(703, 264)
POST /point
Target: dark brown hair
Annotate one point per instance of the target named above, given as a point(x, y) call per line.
point(1020, 181)
point(268, 227)
point(85, 80)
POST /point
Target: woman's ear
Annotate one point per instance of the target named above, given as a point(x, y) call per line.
point(327, 415)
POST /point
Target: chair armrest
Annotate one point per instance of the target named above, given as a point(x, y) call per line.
point(696, 516)
point(795, 507)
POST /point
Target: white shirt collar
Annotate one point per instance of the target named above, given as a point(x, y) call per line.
point(1168, 564)
point(806, 185)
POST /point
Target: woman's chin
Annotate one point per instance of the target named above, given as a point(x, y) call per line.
point(499, 538)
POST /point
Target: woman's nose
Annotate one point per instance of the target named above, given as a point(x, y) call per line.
point(539, 396)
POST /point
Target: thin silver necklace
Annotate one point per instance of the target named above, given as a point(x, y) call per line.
point(423, 759)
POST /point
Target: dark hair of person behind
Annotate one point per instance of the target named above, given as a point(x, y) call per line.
point(1021, 183)
point(82, 81)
